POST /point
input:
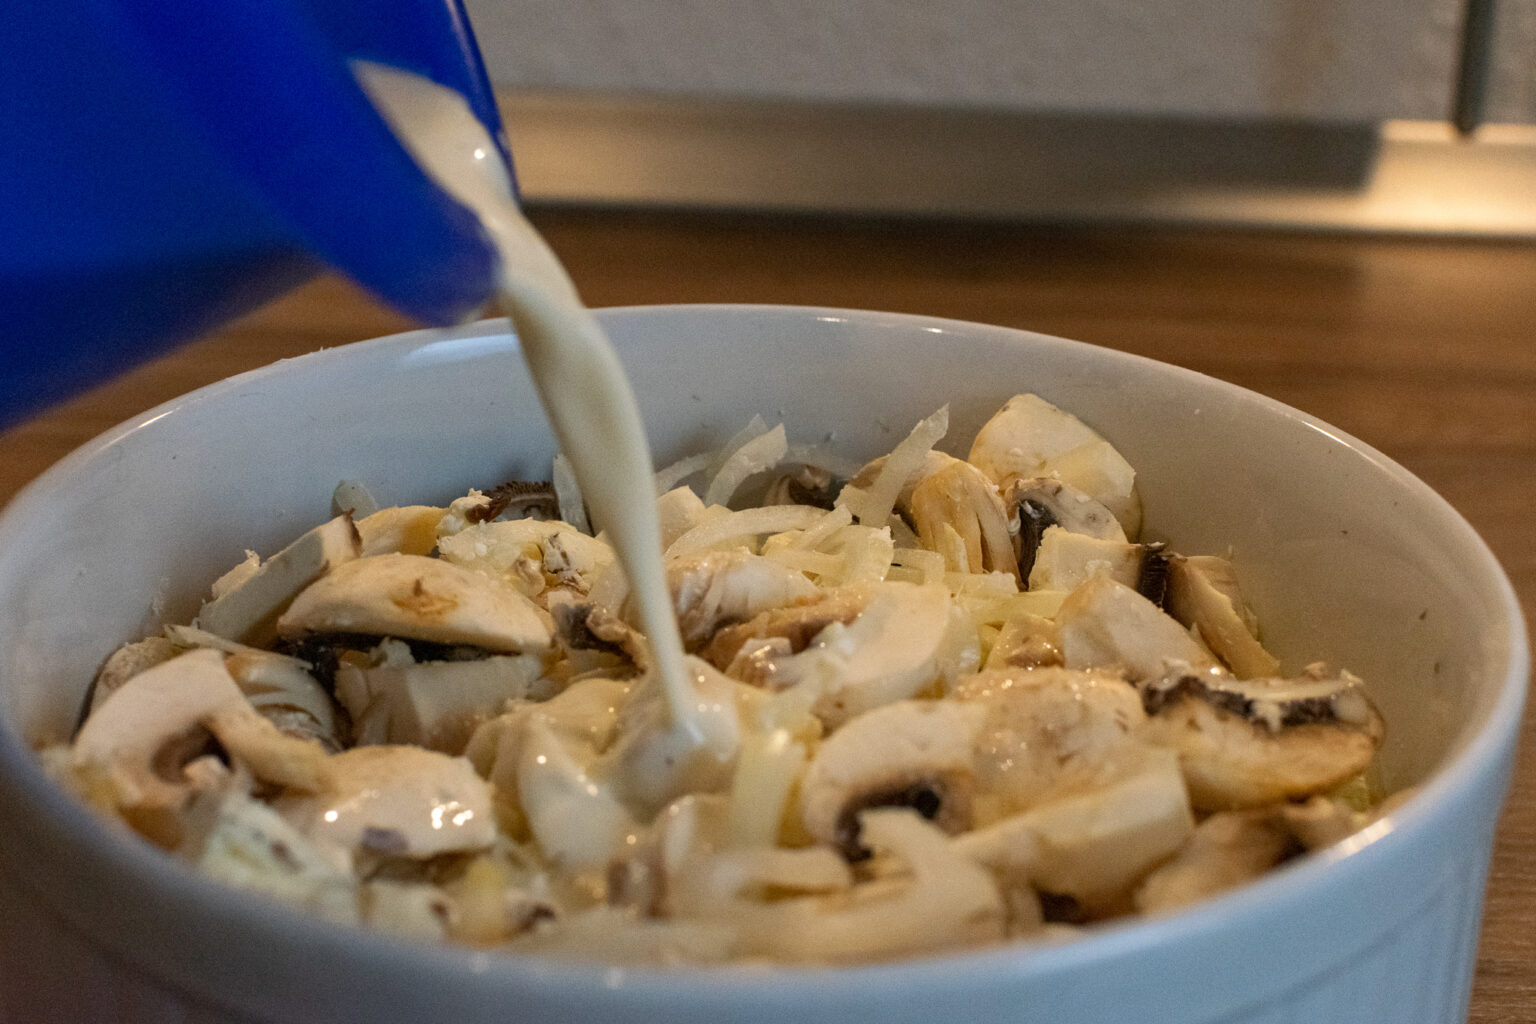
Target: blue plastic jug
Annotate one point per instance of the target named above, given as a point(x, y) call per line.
point(166, 165)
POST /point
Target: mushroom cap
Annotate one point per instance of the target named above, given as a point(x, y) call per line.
point(1094, 843)
point(1045, 727)
point(418, 598)
point(1105, 624)
point(1203, 595)
point(1226, 850)
point(1231, 763)
point(403, 529)
point(1065, 506)
point(433, 704)
point(887, 755)
point(248, 610)
point(155, 708)
point(1030, 437)
point(715, 588)
point(397, 801)
point(890, 652)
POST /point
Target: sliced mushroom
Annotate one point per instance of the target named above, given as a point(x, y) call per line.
point(1226, 850)
point(1043, 502)
point(254, 743)
point(936, 899)
point(1031, 438)
point(891, 651)
point(532, 554)
point(1093, 844)
point(1064, 560)
point(1045, 730)
point(1026, 640)
point(417, 598)
point(739, 652)
point(958, 512)
point(1253, 742)
point(141, 739)
point(534, 498)
point(1106, 624)
point(432, 704)
point(911, 753)
point(248, 611)
point(287, 695)
point(282, 688)
point(713, 589)
point(583, 625)
point(1203, 594)
point(396, 802)
point(143, 735)
point(128, 661)
point(404, 530)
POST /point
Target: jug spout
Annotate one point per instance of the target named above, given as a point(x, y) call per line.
point(171, 164)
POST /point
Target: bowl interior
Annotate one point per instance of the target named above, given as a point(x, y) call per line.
point(1345, 556)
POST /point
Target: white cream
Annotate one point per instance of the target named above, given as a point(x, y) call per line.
point(578, 376)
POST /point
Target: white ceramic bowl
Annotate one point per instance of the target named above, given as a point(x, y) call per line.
point(1346, 556)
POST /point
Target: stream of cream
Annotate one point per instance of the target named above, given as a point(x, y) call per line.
point(578, 376)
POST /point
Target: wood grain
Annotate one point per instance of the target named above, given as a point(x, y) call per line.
point(1425, 349)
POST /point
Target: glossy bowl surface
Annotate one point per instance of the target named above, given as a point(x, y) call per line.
point(1346, 556)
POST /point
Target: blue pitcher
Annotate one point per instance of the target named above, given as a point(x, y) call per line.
point(166, 165)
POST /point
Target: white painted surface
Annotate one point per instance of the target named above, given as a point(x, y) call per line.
point(1314, 59)
point(1512, 90)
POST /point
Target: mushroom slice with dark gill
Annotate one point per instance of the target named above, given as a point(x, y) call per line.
point(417, 598)
point(912, 753)
point(718, 588)
point(136, 746)
point(804, 484)
point(1030, 437)
point(1246, 743)
point(1203, 594)
point(519, 498)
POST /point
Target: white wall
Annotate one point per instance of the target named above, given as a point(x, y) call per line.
point(1330, 60)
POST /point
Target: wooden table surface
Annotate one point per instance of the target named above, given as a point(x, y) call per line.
point(1425, 349)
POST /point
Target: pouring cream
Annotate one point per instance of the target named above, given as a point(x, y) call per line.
point(573, 365)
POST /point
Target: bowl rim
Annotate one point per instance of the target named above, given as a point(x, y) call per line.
point(1464, 769)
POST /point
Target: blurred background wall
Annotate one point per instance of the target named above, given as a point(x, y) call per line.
point(1331, 60)
point(1331, 113)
